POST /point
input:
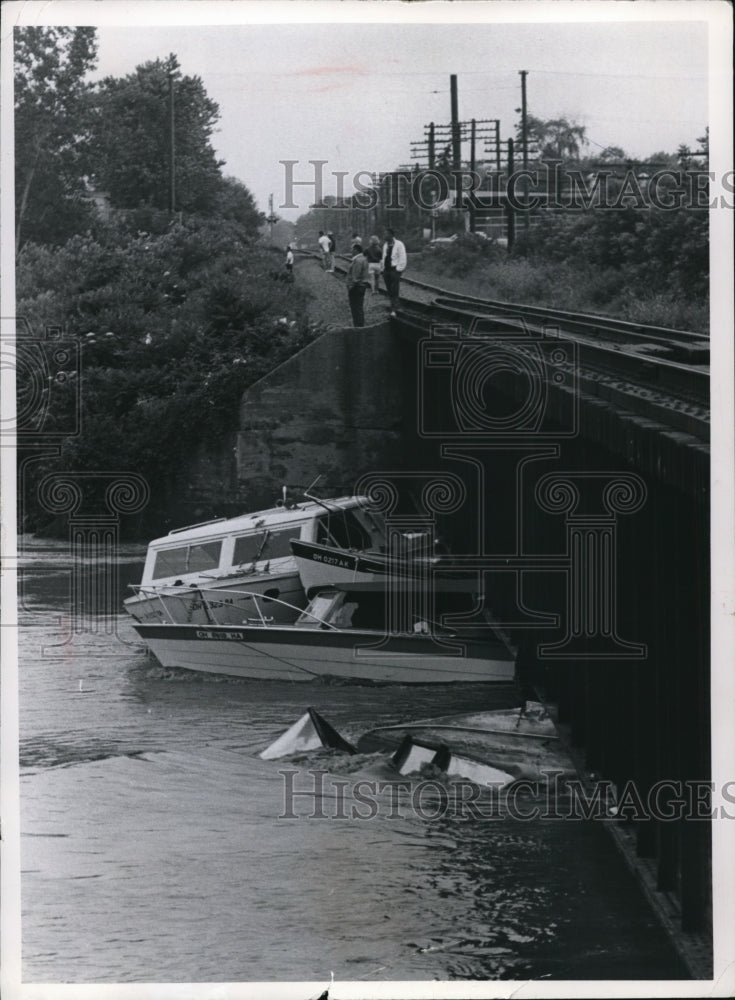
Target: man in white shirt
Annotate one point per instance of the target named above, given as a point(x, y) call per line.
point(393, 265)
point(326, 244)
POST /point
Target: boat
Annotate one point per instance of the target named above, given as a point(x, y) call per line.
point(490, 762)
point(522, 743)
point(353, 634)
point(320, 564)
point(310, 732)
point(415, 756)
point(205, 573)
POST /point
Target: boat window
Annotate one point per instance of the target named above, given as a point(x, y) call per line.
point(266, 544)
point(194, 558)
point(342, 529)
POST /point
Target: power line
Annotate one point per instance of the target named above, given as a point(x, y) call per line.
point(290, 74)
point(618, 76)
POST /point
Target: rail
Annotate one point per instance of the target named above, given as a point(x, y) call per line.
point(650, 372)
point(210, 605)
point(694, 346)
point(654, 358)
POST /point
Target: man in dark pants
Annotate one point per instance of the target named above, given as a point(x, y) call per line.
point(358, 281)
point(393, 266)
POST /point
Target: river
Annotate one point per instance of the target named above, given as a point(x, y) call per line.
point(153, 847)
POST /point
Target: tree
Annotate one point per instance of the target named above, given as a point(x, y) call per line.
point(132, 133)
point(234, 201)
point(703, 141)
point(51, 130)
point(553, 139)
point(175, 326)
point(611, 154)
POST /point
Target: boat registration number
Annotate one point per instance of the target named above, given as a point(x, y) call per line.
point(209, 634)
point(331, 560)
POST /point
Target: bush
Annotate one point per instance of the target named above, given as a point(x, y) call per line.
point(173, 328)
point(650, 266)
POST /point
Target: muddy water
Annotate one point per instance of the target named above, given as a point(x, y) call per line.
point(154, 846)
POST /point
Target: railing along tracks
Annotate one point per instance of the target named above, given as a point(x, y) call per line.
point(655, 359)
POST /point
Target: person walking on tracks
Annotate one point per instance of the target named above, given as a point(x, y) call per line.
point(374, 255)
point(326, 244)
point(393, 265)
point(289, 263)
point(358, 281)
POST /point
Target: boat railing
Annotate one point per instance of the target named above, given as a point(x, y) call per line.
point(211, 606)
point(199, 524)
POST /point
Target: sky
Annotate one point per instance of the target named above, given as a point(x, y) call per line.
point(357, 94)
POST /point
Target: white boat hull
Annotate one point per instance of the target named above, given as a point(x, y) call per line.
point(304, 654)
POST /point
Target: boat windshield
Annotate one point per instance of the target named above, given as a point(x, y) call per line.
point(266, 544)
point(322, 608)
point(343, 529)
point(344, 610)
point(378, 611)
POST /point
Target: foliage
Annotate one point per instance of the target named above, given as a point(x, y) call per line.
point(561, 285)
point(552, 139)
point(173, 328)
point(52, 130)
point(234, 201)
point(645, 264)
point(648, 248)
point(73, 136)
point(132, 139)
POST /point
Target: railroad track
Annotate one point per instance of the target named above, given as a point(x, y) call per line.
point(661, 379)
point(673, 363)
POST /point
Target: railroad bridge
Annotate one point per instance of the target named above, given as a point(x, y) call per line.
point(568, 458)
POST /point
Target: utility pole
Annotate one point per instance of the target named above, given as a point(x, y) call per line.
point(432, 148)
point(472, 172)
point(172, 146)
point(524, 138)
point(456, 144)
point(456, 140)
point(510, 212)
point(271, 217)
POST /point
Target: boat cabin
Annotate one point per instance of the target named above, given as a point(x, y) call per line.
point(259, 542)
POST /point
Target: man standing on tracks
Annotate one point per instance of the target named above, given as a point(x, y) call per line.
point(325, 244)
point(374, 254)
point(358, 282)
point(393, 265)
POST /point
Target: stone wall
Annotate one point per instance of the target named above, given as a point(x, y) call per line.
point(334, 410)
